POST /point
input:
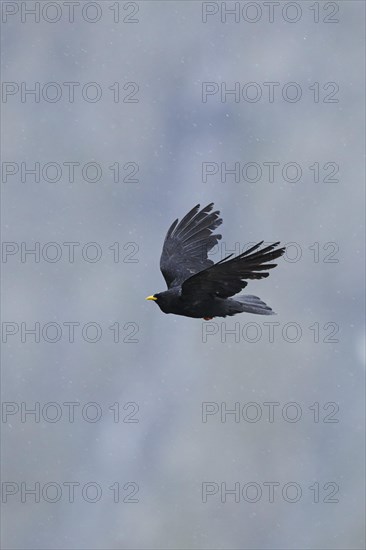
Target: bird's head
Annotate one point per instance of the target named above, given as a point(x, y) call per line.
point(158, 298)
point(164, 299)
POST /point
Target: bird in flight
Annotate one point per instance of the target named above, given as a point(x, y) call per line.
point(199, 288)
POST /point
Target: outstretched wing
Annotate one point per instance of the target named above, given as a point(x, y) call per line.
point(187, 243)
point(228, 277)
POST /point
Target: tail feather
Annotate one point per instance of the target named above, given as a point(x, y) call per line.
point(253, 304)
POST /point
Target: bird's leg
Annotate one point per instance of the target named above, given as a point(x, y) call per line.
point(208, 318)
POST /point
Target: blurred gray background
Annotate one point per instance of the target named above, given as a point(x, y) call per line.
point(170, 371)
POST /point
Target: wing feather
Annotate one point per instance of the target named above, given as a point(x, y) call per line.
point(187, 243)
point(230, 275)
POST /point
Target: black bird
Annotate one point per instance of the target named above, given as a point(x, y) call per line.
point(199, 288)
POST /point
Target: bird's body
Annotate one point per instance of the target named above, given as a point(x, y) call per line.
point(199, 288)
point(171, 301)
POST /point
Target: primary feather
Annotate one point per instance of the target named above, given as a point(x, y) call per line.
point(187, 243)
point(228, 277)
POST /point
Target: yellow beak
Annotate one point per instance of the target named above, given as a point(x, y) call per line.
point(151, 298)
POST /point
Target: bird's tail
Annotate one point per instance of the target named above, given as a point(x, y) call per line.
point(253, 304)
